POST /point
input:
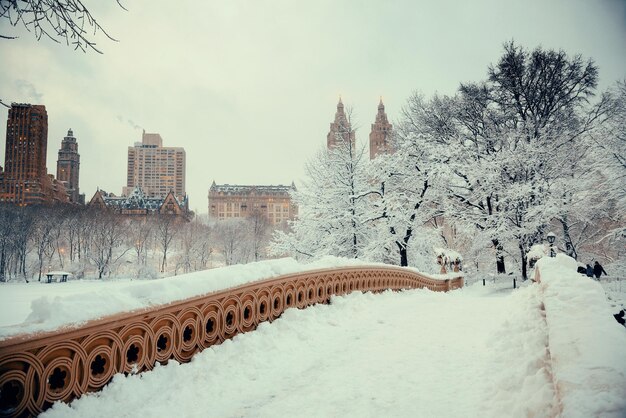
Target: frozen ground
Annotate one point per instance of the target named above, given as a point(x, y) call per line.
point(543, 350)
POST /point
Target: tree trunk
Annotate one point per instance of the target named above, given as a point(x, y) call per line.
point(500, 267)
point(524, 261)
point(404, 259)
point(2, 265)
point(569, 245)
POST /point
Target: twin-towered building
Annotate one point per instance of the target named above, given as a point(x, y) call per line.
point(228, 201)
point(380, 134)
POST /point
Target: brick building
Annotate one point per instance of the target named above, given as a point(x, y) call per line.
point(235, 201)
point(25, 180)
point(155, 168)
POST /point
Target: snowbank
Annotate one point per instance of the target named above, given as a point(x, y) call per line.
point(586, 343)
point(96, 301)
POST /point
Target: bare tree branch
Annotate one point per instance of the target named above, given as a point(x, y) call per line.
point(58, 20)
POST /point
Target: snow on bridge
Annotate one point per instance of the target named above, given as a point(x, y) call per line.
point(38, 369)
point(551, 349)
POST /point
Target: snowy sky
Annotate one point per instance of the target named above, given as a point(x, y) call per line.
point(249, 88)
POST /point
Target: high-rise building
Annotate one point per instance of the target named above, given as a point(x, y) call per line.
point(25, 180)
point(228, 201)
point(68, 165)
point(340, 129)
point(380, 133)
point(155, 168)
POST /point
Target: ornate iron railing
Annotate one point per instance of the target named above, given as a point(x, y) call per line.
point(37, 370)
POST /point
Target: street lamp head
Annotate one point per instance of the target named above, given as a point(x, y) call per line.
point(551, 238)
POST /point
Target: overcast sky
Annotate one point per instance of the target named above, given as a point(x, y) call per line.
point(249, 88)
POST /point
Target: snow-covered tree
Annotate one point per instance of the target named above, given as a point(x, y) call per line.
point(407, 196)
point(333, 202)
point(608, 143)
point(504, 142)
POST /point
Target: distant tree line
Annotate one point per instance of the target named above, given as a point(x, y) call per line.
point(94, 243)
point(490, 170)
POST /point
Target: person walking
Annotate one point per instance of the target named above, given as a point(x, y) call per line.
point(598, 270)
point(589, 271)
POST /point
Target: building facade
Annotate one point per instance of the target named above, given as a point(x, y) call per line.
point(235, 201)
point(156, 169)
point(380, 134)
point(25, 180)
point(340, 129)
point(68, 166)
point(137, 203)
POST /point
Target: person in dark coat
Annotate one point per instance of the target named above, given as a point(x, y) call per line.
point(589, 271)
point(598, 270)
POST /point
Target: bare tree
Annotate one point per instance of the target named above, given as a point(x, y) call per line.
point(107, 241)
point(188, 238)
point(139, 233)
point(73, 223)
point(58, 20)
point(194, 246)
point(259, 237)
point(24, 227)
point(7, 217)
point(166, 229)
point(231, 237)
point(43, 236)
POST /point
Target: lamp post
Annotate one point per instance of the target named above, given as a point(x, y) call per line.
point(551, 238)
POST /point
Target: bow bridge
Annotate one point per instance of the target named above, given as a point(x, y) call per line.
point(37, 370)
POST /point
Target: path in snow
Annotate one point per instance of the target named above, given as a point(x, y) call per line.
point(413, 353)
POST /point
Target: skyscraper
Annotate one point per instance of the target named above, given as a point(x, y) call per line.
point(155, 168)
point(68, 166)
point(340, 129)
point(25, 180)
point(380, 133)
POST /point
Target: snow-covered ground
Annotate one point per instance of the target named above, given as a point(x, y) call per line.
point(542, 350)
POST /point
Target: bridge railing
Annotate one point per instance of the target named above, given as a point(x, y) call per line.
point(37, 370)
